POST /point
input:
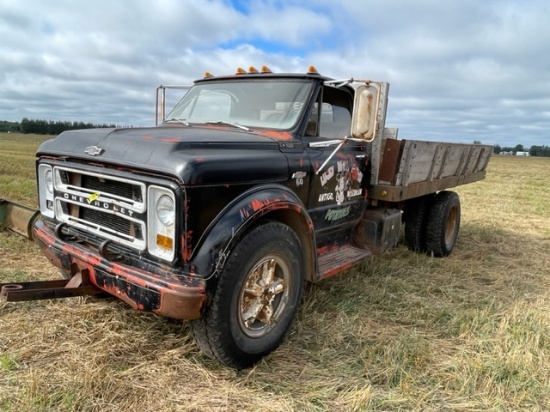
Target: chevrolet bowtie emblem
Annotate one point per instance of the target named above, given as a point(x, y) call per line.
point(92, 197)
point(93, 150)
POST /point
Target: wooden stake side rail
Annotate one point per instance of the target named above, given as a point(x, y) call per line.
point(414, 168)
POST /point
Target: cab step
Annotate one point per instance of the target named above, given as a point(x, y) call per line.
point(341, 259)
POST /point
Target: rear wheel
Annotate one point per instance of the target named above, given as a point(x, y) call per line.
point(416, 216)
point(443, 224)
point(256, 298)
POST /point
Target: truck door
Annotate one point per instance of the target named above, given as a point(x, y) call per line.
point(336, 198)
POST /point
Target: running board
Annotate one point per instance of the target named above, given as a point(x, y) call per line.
point(336, 261)
point(78, 285)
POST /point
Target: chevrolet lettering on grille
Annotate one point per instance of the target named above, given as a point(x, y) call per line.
point(100, 204)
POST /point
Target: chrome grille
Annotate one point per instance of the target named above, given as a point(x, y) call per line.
point(107, 220)
point(111, 186)
point(110, 207)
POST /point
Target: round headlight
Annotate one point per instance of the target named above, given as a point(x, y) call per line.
point(166, 211)
point(48, 180)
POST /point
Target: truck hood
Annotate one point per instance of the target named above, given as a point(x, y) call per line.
point(196, 155)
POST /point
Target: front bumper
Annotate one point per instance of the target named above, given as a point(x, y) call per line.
point(179, 297)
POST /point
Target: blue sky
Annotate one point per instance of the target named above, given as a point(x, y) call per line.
point(460, 70)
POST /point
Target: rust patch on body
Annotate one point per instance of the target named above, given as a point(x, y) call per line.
point(179, 297)
point(170, 139)
point(276, 134)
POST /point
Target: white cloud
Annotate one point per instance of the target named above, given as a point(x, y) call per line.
point(460, 70)
point(291, 24)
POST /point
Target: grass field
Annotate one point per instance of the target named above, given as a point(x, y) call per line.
point(400, 332)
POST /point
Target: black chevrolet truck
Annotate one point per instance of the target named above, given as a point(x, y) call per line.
point(254, 184)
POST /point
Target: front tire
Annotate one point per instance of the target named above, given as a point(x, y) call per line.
point(256, 297)
point(443, 224)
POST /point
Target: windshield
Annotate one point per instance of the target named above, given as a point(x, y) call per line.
point(275, 103)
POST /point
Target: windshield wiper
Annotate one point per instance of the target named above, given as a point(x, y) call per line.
point(229, 124)
point(174, 120)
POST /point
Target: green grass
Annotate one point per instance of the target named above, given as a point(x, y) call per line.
point(17, 168)
point(8, 363)
point(402, 331)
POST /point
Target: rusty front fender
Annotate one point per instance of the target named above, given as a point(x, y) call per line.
point(268, 201)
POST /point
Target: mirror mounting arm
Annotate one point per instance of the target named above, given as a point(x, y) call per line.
point(342, 143)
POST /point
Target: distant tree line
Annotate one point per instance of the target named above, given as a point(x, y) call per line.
point(498, 150)
point(6, 126)
point(39, 126)
point(541, 151)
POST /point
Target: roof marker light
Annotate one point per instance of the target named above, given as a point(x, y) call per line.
point(266, 69)
point(208, 75)
point(252, 69)
point(240, 70)
point(312, 70)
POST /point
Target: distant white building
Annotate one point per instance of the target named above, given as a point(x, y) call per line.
point(515, 154)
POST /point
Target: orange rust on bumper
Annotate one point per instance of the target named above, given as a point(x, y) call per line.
point(180, 297)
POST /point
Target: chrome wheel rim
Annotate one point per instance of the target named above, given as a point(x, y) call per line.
point(451, 226)
point(264, 296)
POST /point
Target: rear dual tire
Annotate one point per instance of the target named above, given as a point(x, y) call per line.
point(432, 223)
point(443, 224)
point(416, 217)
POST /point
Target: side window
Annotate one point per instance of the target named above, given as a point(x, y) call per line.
point(311, 128)
point(335, 116)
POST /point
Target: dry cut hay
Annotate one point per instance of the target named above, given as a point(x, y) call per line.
point(400, 332)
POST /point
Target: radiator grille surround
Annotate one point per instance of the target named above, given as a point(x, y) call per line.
point(110, 207)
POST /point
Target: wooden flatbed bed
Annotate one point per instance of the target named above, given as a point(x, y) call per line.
point(413, 168)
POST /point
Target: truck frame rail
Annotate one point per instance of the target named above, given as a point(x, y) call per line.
point(78, 285)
